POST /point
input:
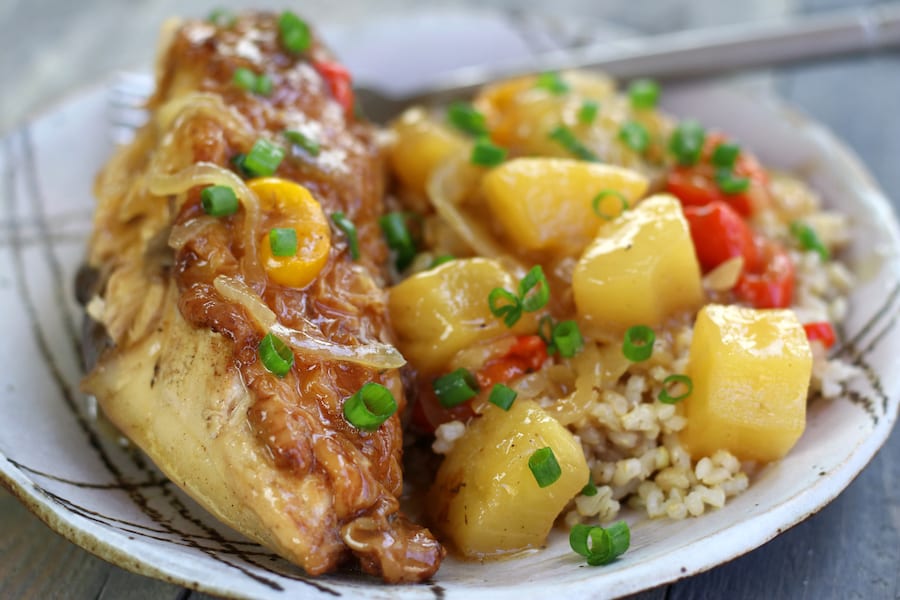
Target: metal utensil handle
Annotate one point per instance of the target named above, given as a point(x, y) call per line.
point(701, 52)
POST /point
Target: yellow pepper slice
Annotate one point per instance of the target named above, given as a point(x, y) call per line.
point(293, 206)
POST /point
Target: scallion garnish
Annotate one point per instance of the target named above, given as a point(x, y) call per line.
point(369, 407)
point(600, 546)
point(244, 79)
point(670, 383)
point(730, 183)
point(545, 332)
point(219, 201)
point(238, 161)
point(808, 238)
point(638, 344)
point(725, 155)
point(587, 112)
point(536, 281)
point(552, 82)
point(439, 260)
point(544, 467)
point(486, 153)
point(221, 17)
point(686, 142)
point(609, 215)
point(276, 356)
point(308, 144)
point(567, 338)
point(467, 119)
point(455, 388)
point(635, 136)
point(398, 238)
point(294, 33)
point(590, 488)
point(263, 159)
point(534, 293)
point(506, 305)
point(349, 229)
point(249, 81)
point(283, 241)
point(502, 396)
point(566, 138)
point(643, 93)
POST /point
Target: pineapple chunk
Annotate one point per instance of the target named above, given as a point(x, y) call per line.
point(751, 371)
point(420, 145)
point(486, 500)
point(640, 269)
point(438, 312)
point(546, 203)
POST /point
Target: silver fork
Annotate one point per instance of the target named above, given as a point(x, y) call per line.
point(680, 55)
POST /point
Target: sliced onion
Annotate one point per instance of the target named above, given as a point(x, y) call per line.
point(206, 173)
point(235, 290)
point(725, 276)
point(187, 106)
point(373, 355)
point(448, 187)
point(183, 233)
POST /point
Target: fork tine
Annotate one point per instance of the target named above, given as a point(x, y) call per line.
point(126, 104)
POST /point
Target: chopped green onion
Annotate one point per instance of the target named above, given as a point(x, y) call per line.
point(544, 467)
point(244, 79)
point(635, 136)
point(295, 34)
point(398, 238)
point(725, 155)
point(534, 280)
point(263, 85)
point(643, 93)
point(564, 137)
point(275, 355)
point(730, 183)
point(545, 332)
point(599, 198)
point(590, 488)
point(506, 305)
point(671, 382)
point(439, 260)
point(808, 238)
point(308, 144)
point(587, 113)
point(369, 407)
point(349, 229)
point(455, 388)
point(638, 344)
point(283, 241)
point(487, 154)
point(466, 118)
point(219, 201)
point(686, 142)
point(502, 396)
point(221, 17)
point(238, 161)
point(552, 82)
point(567, 338)
point(263, 159)
point(600, 546)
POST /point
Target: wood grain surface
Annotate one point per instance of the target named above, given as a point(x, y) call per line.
point(851, 549)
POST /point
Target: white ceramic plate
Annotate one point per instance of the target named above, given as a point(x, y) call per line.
point(75, 475)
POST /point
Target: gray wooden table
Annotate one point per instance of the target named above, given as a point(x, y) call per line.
point(851, 549)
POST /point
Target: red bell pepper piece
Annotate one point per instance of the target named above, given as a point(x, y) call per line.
point(719, 233)
point(338, 79)
point(771, 284)
point(821, 331)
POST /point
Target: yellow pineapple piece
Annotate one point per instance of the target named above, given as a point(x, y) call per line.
point(640, 268)
point(547, 203)
point(485, 498)
point(420, 145)
point(750, 370)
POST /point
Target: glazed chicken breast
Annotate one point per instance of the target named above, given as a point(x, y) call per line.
point(188, 293)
